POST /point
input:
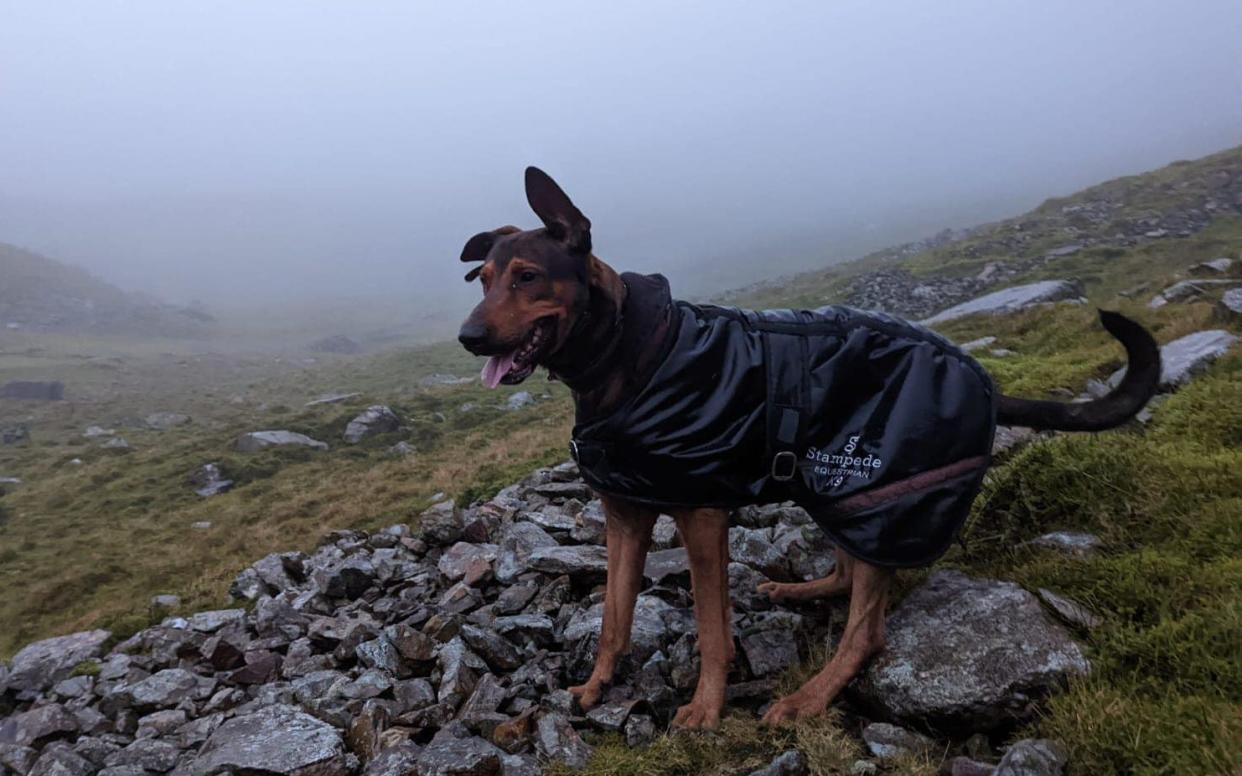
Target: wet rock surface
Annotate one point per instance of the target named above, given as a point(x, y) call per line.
point(448, 650)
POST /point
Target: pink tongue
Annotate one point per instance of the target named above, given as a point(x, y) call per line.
point(496, 368)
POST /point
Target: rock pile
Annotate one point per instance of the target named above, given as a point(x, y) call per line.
point(448, 651)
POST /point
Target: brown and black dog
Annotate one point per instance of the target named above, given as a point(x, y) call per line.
point(549, 301)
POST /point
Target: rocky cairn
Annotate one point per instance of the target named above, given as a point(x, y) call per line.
point(449, 651)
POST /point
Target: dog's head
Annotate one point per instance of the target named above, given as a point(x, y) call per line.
point(535, 284)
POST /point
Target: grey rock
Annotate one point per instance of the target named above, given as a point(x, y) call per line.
point(36, 726)
point(441, 523)
point(1033, 757)
point(556, 739)
point(159, 723)
point(148, 754)
point(1010, 439)
point(332, 398)
point(611, 716)
point(519, 765)
point(59, 759)
point(519, 400)
point(553, 519)
point(164, 603)
point(459, 672)
point(1010, 300)
point(19, 759)
point(259, 440)
point(402, 449)
point(1071, 542)
point(888, 742)
point(770, 650)
point(790, 763)
point(95, 432)
point(968, 654)
point(1070, 610)
point(639, 729)
point(116, 443)
point(36, 666)
point(976, 344)
point(471, 562)
point(662, 564)
point(655, 623)
point(162, 689)
point(518, 541)
point(337, 343)
point(965, 766)
point(398, 760)
point(212, 621)
point(1231, 303)
point(497, 651)
point(1185, 357)
point(581, 560)
point(448, 756)
point(753, 547)
point(163, 421)
point(15, 434)
point(346, 578)
point(278, 739)
point(1213, 267)
point(207, 480)
point(374, 420)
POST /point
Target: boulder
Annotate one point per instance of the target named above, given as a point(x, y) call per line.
point(517, 543)
point(888, 742)
point(36, 666)
point(1070, 611)
point(968, 654)
point(1217, 266)
point(1185, 357)
point(1075, 543)
point(15, 434)
point(451, 756)
point(35, 390)
point(556, 740)
point(1231, 304)
point(519, 400)
point(162, 689)
point(374, 420)
point(255, 441)
point(37, 726)
point(1010, 300)
point(278, 739)
point(580, 560)
point(790, 763)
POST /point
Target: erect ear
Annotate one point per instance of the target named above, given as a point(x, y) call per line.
point(480, 245)
point(562, 219)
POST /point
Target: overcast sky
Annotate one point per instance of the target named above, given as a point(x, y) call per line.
point(238, 150)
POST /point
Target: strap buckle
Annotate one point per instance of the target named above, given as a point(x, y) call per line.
point(573, 450)
point(784, 466)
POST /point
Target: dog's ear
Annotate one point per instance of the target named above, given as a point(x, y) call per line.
point(480, 245)
point(554, 208)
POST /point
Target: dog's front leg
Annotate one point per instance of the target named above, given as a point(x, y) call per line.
point(705, 534)
point(629, 529)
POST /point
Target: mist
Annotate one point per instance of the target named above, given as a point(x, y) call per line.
point(245, 153)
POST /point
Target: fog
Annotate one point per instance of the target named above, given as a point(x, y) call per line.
point(245, 152)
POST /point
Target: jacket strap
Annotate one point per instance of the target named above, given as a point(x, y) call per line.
point(786, 358)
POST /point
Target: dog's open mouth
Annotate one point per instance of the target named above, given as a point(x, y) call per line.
point(515, 366)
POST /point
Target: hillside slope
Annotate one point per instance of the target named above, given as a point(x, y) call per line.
point(42, 294)
point(93, 532)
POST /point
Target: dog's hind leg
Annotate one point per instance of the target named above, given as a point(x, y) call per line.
point(863, 638)
point(628, 527)
point(838, 582)
point(705, 534)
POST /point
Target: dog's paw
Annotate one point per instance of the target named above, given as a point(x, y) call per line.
point(697, 715)
point(775, 591)
point(794, 707)
point(588, 694)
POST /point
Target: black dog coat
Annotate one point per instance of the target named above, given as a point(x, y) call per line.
point(879, 428)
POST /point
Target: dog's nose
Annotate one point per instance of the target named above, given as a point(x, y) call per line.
point(473, 336)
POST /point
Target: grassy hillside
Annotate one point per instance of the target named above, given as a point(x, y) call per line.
point(87, 545)
point(41, 294)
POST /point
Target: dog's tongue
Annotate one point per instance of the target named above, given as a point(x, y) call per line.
point(496, 368)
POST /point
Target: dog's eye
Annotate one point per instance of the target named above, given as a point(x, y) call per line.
point(527, 276)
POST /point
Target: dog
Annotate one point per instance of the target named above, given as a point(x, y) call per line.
point(880, 428)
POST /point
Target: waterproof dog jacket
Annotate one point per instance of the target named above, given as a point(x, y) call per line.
point(879, 428)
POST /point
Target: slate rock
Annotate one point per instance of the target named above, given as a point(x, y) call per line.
point(208, 480)
point(59, 759)
point(769, 651)
point(556, 739)
point(36, 726)
point(1009, 300)
point(18, 759)
point(655, 623)
point(1069, 610)
point(259, 440)
point(472, 562)
point(278, 739)
point(164, 421)
point(36, 666)
point(497, 651)
point(448, 756)
point(639, 729)
point(790, 763)
point(162, 689)
point(665, 564)
point(441, 523)
point(374, 420)
point(889, 742)
point(1185, 357)
point(580, 560)
point(347, 578)
point(148, 754)
point(1033, 757)
point(1071, 542)
point(753, 547)
point(968, 654)
point(517, 542)
point(1231, 303)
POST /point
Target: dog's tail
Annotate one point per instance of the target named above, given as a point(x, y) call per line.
point(1136, 388)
